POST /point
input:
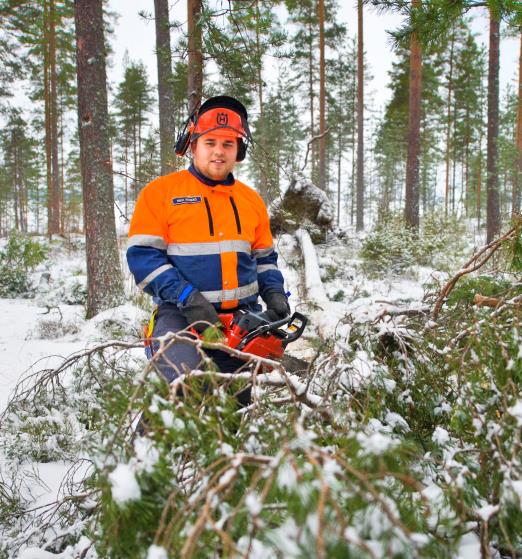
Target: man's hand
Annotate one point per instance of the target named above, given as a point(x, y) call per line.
point(197, 309)
point(278, 303)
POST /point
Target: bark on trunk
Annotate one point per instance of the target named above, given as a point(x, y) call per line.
point(47, 116)
point(493, 203)
point(322, 100)
point(263, 186)
point(165, 87)
point(360, 119)
point(448, 124)
point(55, 223)
point(104, 279)
point(195, 55)
point(411, 211)
point(518, 172)
point(311, 99)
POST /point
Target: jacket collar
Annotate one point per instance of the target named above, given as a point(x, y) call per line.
point(229, 181)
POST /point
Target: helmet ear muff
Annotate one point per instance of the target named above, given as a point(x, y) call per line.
point(182, 144)
point(241, 150)
point(183, 139)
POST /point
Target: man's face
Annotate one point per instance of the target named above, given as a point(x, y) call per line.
point(214, 156)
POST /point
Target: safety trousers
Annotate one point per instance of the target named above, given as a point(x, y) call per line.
point(180, 356)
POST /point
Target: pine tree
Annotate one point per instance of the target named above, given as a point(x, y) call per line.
point(195, 54)
point(360, 118)
point(165, 89)
point(104, 280)
point(469, 72)
point(392, 133)
point(133, 101)
point(517, 185)
point(493, 195)
point(306, 56)
point(21, 171)
point(44, 31)
point(277, 157)
point(252, 32)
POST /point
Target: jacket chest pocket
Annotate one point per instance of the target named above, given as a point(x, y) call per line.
point(224, 215)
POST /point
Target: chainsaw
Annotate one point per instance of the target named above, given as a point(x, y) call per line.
point(258, 334)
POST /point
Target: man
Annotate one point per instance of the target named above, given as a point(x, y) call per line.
point(200, 240)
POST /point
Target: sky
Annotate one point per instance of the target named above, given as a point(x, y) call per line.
point(137, 36)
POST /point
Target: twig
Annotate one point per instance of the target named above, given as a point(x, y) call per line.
point(314, 139)
point(473, 264)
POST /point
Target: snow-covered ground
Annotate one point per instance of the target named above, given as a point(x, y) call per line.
point(38, 334)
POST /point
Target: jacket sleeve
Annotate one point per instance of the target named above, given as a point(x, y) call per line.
point(269, 277)
point(147, 250)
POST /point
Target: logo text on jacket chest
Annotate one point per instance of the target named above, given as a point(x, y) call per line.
point(186, 200)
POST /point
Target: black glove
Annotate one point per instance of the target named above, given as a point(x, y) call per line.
point(278, 303)
point(197, 309)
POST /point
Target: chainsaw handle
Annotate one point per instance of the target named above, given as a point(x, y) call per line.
point(297, 334)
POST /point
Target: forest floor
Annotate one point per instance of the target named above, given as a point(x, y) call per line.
point(38, 334)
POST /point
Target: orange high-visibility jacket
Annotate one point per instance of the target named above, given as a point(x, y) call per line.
point(185, 233)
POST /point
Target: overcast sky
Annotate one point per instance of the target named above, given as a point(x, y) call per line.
point(136, 35)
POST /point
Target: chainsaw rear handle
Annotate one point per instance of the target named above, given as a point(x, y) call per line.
point(298, 317)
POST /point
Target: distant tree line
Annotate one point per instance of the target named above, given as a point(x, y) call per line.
point(445, 123)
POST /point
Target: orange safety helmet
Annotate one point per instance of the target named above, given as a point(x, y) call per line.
point(223, 116)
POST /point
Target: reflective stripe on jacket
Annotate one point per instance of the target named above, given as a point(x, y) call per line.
point(215, 238)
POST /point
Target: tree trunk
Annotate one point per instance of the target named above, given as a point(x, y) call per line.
point(311, 97)
point(165, 87)
point(448, 124)
point(47, 117)
point(104, 279)
point(518, 171)
point(263, 186)
point(55, 223)
point(360, 119)
point(479, 183)
point(493, 203)
point(322, 100)
point(195, 55)
point(411, 211)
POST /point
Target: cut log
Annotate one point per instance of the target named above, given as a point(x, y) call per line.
point(315, 291)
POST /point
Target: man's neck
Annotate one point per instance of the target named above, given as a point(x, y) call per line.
point(228, 181)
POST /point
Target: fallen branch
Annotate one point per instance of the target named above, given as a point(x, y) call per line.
point(473, 264)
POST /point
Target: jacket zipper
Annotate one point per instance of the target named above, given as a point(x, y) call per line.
point(236, 214)
point(209, 215)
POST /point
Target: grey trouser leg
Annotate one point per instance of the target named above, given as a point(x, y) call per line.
point(180, 356)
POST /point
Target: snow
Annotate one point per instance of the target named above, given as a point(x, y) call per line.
point(469, 547)
point(440, 436)
point(156, 552)
point(487, 511)
point(146, 454)
point(125, 487)
point(516, 412)
point(332, 267)
point(19, 352)
point(253, 504)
